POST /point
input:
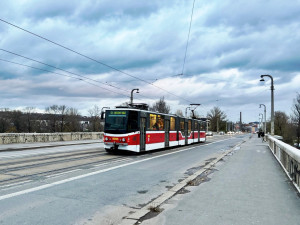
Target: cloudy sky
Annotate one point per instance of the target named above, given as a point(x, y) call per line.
point(141, 44)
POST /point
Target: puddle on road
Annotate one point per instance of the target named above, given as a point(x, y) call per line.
point(192, 170)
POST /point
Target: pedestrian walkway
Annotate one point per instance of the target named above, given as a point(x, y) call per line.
point(35, 145)
point(248, 187)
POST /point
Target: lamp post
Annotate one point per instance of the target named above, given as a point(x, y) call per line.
point(272, 100)
point(265, 126)
point(131, 96)
point(261, 119)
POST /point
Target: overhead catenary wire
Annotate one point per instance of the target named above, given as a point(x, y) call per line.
point(65, 75)
point(66, 71)
point(187, 42)
point(92, 59)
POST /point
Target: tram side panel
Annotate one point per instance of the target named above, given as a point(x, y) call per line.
point(155, 140)
point(173, 138)
point(202, 136)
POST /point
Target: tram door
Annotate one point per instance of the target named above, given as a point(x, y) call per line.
point(186, 132)
point(142, 134)
point(167, 133)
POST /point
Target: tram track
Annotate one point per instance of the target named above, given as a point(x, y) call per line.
point(7, 167)
point(42, 167)
point(43, 175)
point(39, 167)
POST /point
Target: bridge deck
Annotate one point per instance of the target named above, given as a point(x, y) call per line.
point(249, 187)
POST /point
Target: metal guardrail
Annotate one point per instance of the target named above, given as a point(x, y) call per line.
point(288, 157)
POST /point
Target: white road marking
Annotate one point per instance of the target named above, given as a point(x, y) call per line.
point(62, 173)
point(9, 186)
point(30, 190)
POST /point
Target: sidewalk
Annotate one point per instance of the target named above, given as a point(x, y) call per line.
point(248, 187)
point(36, 145)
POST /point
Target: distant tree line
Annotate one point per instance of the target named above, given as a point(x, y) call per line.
point(288, 126)
point(57, 118)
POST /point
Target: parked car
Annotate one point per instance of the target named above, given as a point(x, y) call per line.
point(209, 133)
point(221, 132)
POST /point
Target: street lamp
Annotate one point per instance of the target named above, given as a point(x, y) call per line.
point(261, 119)
point(131, 96)
point(265, 126)
point(272, 100)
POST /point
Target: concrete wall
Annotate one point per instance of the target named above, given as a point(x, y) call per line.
point(288, 157)
point(10, 138)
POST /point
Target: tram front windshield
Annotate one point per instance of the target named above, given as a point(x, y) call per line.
point(120, 122)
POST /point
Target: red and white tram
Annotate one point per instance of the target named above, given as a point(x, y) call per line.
point(139, 130)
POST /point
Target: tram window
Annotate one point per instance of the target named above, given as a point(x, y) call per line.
point(172, 123)
point(156, 122)
point(182, 125)
point(160, 122)
point(115, 122)
point(196, 126)
point(153, 125)
point(133, 121)
point(190, 126)
point(202, 125)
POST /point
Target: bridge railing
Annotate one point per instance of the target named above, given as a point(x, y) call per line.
point(288, 157)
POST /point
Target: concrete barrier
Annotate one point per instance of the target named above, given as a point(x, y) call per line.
point(288, 157)
point(11, 138)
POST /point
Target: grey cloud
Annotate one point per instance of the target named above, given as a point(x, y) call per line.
point(254, 15)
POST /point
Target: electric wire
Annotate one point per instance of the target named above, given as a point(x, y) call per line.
point(90, 58)
point(48, 71)
point(187, 42)
point(87, 78)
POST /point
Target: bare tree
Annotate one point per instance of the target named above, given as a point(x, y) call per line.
point(62, 114)
point(29, 117)
point(53, 116)
point(17, 123)
point(280, 123)
point(160, 106)
point(296, 116)
point(72, 120)
point(216, 116)
point(179, 112)
point(95, 114)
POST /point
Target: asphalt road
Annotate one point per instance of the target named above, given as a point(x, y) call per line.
point(106, 192)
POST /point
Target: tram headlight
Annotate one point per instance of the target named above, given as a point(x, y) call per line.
point(123, 139)
point(106, 139)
